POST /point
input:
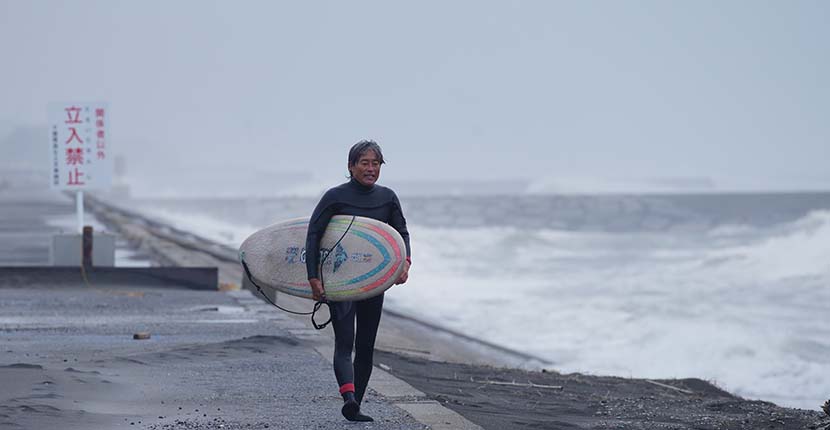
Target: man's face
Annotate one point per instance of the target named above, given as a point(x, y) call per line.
point(367, 169)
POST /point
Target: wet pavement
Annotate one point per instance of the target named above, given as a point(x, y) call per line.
point(69, 360)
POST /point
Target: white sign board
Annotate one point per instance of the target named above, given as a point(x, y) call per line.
point(81, 157)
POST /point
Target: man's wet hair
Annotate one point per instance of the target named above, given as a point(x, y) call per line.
point(360, 148)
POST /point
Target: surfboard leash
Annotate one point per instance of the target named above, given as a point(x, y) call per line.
point(258, 288)
point(318, 304)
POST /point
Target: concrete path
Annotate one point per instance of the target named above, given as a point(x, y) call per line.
point(213, 360)
point(69, 360)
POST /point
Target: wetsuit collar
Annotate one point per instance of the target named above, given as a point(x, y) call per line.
point(360, 187)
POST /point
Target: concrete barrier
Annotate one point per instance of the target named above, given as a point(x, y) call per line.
point(195, 278)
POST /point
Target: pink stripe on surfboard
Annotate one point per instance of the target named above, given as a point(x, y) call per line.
point(397, 250)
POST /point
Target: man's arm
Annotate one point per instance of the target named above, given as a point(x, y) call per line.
point(398, 222)
point(316, 228)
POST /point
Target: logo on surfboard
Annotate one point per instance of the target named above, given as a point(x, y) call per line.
point(296, 255)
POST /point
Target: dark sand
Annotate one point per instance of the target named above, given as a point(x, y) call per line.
point(588, 402)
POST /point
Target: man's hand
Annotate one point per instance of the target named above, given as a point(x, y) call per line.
point(317, 291)
point(405, 275)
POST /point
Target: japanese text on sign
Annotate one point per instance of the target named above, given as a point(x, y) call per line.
point(79, 146)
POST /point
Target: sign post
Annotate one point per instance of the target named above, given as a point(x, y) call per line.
point(79, 208)
point(80, 155)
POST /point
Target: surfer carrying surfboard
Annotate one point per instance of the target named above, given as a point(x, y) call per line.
point(360, 196)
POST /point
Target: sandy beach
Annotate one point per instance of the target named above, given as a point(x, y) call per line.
point(501, 398)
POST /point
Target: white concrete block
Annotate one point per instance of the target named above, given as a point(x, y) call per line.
point(67, 250)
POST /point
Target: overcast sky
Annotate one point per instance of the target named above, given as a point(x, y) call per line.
point(584, 92)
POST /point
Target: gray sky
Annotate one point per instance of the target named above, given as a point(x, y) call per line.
point(568, 94)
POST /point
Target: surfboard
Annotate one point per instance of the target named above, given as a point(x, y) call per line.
point(367, 261)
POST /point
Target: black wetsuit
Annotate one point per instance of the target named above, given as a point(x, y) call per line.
point(380, 203)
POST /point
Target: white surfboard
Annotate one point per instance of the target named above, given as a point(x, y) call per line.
point(366, 262)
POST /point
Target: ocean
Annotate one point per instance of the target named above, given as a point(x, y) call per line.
point(730, 288)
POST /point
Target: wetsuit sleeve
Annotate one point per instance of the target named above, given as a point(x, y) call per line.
point(398, 222)
point(316, 228)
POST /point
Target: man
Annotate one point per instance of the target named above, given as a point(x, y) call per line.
point(361, 196)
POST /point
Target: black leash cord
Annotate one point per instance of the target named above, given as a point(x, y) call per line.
point(317, 305)
point(258, 288)
point(333, 249)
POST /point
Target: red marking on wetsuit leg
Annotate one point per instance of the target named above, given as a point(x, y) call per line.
point(345, 388)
